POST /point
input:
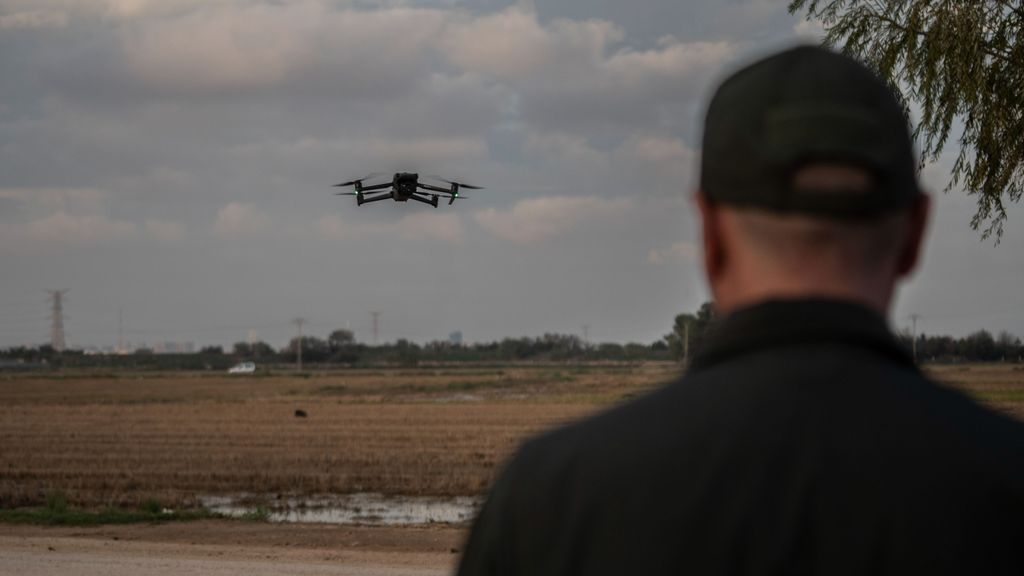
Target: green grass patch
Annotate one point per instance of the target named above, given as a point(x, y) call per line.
point(58, 513)
point(258, 514)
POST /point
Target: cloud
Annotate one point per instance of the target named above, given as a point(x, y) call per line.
point(226, 47)
point(63, 229)
point(116, 10)
point(812, 30)
point(538, 219)
point(679, 252)
point(655, 163)
point(36, 201)
point(427, 225)
point(373, 151)
point(559, 74)
point(576, 75)
point(564, 149)
point(513, 45)
point(239, 219)
point(34, 19)
point(165, 231)
point(51, 217)
point(438, 227)
point(257, 45)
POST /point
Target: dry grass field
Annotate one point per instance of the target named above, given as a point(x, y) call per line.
point(106, 439)
point(998, 386)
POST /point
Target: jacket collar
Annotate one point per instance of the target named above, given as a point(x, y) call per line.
point(781, 323)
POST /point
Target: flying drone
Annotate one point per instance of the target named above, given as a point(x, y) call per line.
point(405, 186)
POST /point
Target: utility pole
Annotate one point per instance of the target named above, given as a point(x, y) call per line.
point(57, 319)
point(298, 343)
point(913, 346)
point(376, 327)
point(253, 338)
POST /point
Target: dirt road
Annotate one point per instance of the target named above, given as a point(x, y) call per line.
point(224, 548)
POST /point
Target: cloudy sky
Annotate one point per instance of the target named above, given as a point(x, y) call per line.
point(172, 159)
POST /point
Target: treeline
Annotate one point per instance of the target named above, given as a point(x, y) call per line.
point(689, 332)
point(979, 346)
point(341, 349)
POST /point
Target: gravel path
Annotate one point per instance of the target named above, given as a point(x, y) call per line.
point(65, 552)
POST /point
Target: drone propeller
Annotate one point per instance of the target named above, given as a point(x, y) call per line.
point(367, 177)
point(461, 185)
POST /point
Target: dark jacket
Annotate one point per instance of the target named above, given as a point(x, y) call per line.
point(803, 440)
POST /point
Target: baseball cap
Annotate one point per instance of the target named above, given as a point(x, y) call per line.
point(803, 106)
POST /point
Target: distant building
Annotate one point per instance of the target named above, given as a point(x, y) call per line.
point(187, 347)
point(455, 338)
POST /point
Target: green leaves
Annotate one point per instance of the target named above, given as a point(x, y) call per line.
point(956, 60)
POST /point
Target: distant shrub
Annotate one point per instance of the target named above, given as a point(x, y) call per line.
point(152, 506)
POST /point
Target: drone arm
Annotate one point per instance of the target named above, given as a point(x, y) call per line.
point(361, 200)
point(434, 188)
point(376, 187)
point(432, 200)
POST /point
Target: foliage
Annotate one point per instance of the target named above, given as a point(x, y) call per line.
point(407, 353)
point(343, 347)
point(340, 339)
point(975, 347)
point(696, 327)
point(313, 350)
point(958, 61)
point(340, 349)
point(258, 514)
point(256, 350)
point(57, 512)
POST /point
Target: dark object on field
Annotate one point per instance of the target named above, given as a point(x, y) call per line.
point(405, 186)
point(301, 414)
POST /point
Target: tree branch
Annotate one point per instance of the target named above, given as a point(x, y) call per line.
point(985, 47)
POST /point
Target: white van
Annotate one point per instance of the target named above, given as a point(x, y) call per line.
point(243, 368)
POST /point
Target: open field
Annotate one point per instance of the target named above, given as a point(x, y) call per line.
point(104, 439)
point(999, 386)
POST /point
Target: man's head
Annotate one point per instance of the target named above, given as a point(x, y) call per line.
point(808, 183)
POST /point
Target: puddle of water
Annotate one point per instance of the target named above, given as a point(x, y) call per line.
point(352, 509)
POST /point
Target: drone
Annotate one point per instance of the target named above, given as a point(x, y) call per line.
point(405, 186)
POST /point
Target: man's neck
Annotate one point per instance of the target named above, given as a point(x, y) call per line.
point(733, 295)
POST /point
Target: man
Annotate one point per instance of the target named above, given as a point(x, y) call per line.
point(802, 440)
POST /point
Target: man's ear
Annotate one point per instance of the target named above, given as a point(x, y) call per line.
point(714, 255)
point(917, 224)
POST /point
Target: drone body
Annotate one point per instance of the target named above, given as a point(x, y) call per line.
point(404, 186)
